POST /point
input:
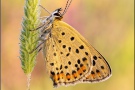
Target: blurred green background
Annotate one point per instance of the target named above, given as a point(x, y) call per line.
point(107, 24)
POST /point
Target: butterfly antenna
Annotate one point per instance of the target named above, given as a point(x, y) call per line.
point(67, 6)
point(44, 9)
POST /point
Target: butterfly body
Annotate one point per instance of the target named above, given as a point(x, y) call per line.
point(69, 58)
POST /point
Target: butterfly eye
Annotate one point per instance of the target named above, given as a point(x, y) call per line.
point(57, 14)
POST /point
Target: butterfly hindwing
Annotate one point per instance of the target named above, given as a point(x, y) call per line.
point(101, 69)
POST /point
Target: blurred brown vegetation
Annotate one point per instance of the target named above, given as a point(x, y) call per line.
point(107, 24)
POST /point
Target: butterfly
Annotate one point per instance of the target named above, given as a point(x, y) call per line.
point(69, 58)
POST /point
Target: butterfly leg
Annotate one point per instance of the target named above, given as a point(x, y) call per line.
point(40, 49)
point(42, 39)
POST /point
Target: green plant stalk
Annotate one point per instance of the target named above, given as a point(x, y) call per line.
point(28, 39)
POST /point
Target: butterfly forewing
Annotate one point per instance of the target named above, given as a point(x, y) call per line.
point(70, 59)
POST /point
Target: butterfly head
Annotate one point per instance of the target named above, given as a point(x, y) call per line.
point(57, 14)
